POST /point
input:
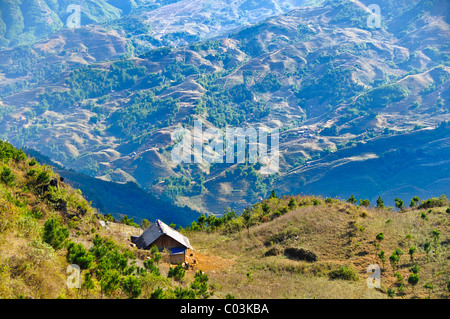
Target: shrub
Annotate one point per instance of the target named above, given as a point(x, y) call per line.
point(158, 293)
point(412, 251)
point(177, 273)
point(7, 177)
point(110, 282)
point(199, 285)
point(54, 234)
point(43, 178)
point(151, 267)
point(434, 202)
point(399, 277)
point(40, 251)
point(423, 215)
point(132, 286)
point(352, 199)
point(391, 292)
point(364, 202)
point(413, 279)
point(28, 226)
point(344, 273)
point(77, 254)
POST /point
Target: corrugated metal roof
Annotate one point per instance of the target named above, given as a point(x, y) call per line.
point(158, 229)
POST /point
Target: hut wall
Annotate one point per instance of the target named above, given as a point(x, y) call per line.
point(177, 258)
point(165, 241)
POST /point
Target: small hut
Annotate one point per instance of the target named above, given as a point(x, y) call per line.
point(164, 237)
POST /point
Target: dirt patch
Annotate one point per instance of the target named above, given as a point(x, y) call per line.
point(208, 263)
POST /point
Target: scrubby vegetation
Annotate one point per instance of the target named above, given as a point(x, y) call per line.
point(317, 238)
point(45, 225)
point(325, 243)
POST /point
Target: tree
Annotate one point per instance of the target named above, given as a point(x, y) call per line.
point(145, 223)
point(272, 194)
point(88, 283)
point(43, 178)
point(149, 264)
point(110, 281)
point(292, 204)
point(411, 252)
point(54, 234)
point(413, 280)
point(382, 257)
point(414, 201)
point(352, 200)
point(436, 241)
point(247, 216)
point(7, 176)
point(158, 293)
point(398, 203)
point(201, 221)
point(132, 286)
point(265, 208)
point(415, 268)
point(380, 203)
point(199, 285)
point(77, 254)
point(364, 202)
point(394, 259)
point(177, 272)
point(427, 247)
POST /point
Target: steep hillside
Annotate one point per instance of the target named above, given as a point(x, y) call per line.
point(46, 225)
point(290, 247)
point(119, 199)
point(311, 247)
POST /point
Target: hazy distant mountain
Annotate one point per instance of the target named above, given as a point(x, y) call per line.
point(358, 108)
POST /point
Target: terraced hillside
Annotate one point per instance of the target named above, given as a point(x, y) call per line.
point(346, 99)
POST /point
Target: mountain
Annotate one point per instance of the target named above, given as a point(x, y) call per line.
point(347, 99)
point(120, 200)
point(281, 247)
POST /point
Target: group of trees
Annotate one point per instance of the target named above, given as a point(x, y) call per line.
point(267, 210)
point(396, 257)
point(399, 204)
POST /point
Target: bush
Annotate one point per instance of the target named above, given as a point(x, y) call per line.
point(177, 273)
point(364, 202)
point(43, 178)
point(158, 294)
point(7, 176)
point(151, 267)
point(199, 285)
point(40, 251)
point(413, 279)
point(77, 254)
point(434, 202)
point(54, 234)
point(344, 273)
point(110, 282)
point(301, 254)
point(132, 286)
